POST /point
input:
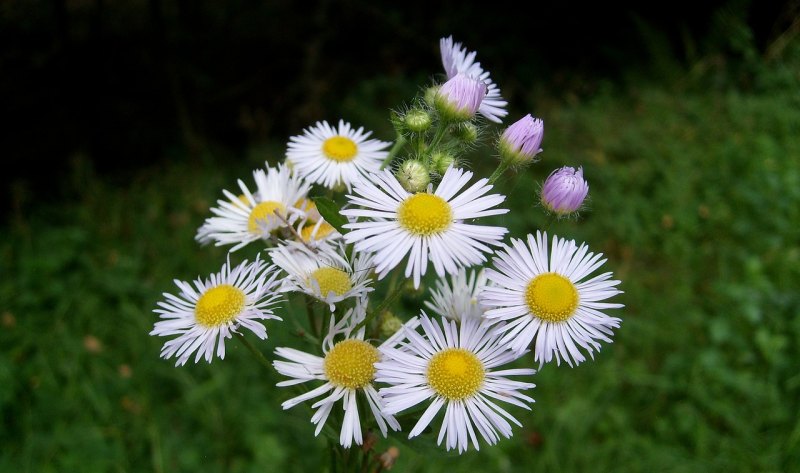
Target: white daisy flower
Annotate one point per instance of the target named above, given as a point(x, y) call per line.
point(332, 157)
point(549, 300)
point(456, 59)
point(347, 367)
point(453, 367)
point(205, 315)
point(242, 219)
point(423, 225)
point(458, 298)
point(325, 273)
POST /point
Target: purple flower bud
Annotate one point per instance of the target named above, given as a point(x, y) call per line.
point(521, 141)
point(564, 190)
point(460, 97)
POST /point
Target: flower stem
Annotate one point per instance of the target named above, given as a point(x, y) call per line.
point(387, 301)
point(437, 137)
point(256, 353)
point(501, 168)
point(398, 145)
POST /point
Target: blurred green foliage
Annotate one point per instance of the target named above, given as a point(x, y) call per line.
point(695, 199)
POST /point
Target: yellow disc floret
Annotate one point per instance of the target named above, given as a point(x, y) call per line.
point(455, 373)
point(307, 233)
point(551, 297)
point(332, 279)
point(264, 214)
point(340, 149)
point(425, 214)
point(219, 305)
point(309, 207)
point(351, 364)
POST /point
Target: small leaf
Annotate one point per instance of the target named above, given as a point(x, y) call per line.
point(330, 212)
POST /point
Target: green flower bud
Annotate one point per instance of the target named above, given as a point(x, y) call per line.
point(413, 176)
point(389, 324)
point(430, 95)
point(417, 120)
point(441, 160)
point(466, 132)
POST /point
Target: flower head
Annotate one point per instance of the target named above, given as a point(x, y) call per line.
point(564, 191)
point(347, 368)
point(459, 98)
point(458, 298)
point(521, 141)
point(205, 315)
point(240, 220)
point(453, 366)
point(548, 301)
point(423, 225)
point(333, 157)
point(325, 273)
point(456, 59)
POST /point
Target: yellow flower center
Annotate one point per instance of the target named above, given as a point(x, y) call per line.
point(219, 305)
point(264, 214)
point(351, 364)
point(332, 279)
point(551, 297)
point(309, 207)
point(425, 214)
point(323, 230)
point(455, 373)
point(340, 149)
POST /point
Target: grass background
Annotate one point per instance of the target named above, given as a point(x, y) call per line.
point(695, 199)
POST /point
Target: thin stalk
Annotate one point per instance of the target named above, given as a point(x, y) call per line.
point(256, 353)
point(437, 137)
point(398, 145)
point(387, 301)
point(501, 168)
point(312, 319)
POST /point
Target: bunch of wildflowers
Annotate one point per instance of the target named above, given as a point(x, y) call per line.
point(345, 216)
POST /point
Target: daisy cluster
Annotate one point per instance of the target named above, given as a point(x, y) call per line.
point(342, 212)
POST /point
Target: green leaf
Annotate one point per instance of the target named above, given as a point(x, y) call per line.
point(330, 212)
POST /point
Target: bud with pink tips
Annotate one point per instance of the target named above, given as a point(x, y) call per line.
point(459, 98)
point(522, 141)
point(564, 191)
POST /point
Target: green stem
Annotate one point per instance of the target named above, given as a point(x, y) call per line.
point(550, 219)
point(312, 319)
point(501, 168)
point(398, 145)
point(256, 353)
point(387, 301)
point(437, 137)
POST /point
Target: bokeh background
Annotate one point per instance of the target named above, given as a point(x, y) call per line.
point(125, 120)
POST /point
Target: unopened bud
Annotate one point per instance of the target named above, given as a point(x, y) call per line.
point(430, 95)
point(390, 324)
point(413, 176)
point(459, 98)
point(417, 120)
point(521, 141)
point(466, 132)
point(564, 191)
point(441, 160)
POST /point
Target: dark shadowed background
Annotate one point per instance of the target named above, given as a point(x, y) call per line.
point(127, 83)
